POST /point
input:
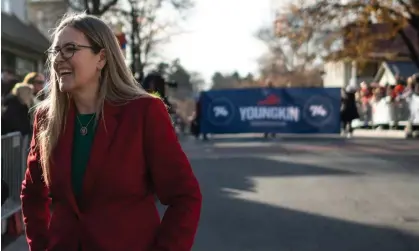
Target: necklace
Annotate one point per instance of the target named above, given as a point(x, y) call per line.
point(83, 129)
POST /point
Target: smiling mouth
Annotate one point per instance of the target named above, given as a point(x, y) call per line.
point(63, 73)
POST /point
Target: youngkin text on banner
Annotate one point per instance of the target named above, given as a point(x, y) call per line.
point(285, 110)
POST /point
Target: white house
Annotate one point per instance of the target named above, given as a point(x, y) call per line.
point(23, 46)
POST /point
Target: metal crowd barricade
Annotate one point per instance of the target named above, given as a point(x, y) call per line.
point(399, 115)
point(14, 149)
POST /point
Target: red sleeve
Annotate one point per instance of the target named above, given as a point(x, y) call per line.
point(173, 180)
point(35, 200)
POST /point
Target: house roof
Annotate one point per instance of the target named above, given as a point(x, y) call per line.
point(17, 32)
point(403, 69)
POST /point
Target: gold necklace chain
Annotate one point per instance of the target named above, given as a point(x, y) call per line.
point(83, 129)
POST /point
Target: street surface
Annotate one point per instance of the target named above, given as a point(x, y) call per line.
point(305, 194)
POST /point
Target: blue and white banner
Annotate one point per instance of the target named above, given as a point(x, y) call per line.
point(288, 110)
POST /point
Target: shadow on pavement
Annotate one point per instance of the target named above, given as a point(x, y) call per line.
point(231, 224)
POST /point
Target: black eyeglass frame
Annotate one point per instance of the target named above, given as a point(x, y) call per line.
point(76, 47)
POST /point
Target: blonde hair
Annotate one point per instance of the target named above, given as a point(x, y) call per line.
point(20, 86)
point(117, 86)
point(30, 77)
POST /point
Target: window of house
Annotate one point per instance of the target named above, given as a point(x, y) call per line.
point(6, 6)
point(39, 15)
point(8, 60)
point(40, 21)
point(24, 66)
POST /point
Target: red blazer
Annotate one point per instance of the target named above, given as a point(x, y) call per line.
point(135, 154)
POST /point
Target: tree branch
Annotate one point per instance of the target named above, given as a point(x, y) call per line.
point(404, 4)
point(107, 6)
point(182, 4)
point(124, 13)
point(414, 54)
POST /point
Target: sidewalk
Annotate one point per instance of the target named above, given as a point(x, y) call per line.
point(394, 134)
point(358, 133)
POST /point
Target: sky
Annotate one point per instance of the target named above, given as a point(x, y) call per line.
point(220, 36)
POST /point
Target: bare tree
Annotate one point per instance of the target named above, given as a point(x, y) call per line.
point(290, 54)
point(289, 61)
point(93, 7)
point(197, 81)
point(149, 27)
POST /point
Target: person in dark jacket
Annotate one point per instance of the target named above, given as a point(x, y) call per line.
point(266, 135)
point(154, 83)
point(15, 116)
point(8, 81)
point(196, 123)
point(348, 109)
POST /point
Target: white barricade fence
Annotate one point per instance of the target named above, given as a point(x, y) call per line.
point(14, 150)
point(414, 109)
point(382, 112)
point(386, 112)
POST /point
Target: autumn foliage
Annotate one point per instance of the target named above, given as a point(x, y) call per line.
point(358, 29)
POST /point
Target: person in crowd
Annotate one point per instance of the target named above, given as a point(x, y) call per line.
point(37, 80)
point(193, 125)
point(381, 104)
point(102, 147)
point(364, 96)
point(15, 116)
point(266, 135)
point(412, 99)
point(155, 84)
point(390, 97)
point(8, 81)
point(196, 122)
point(398, 88)
point(389, 93)
point(408, 91)
point(378, 93)
point(348, 110)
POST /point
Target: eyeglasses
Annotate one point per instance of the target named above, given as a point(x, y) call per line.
point(38, 82)
point(67, 51)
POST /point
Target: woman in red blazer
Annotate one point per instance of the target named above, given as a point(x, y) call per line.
point(102, 147)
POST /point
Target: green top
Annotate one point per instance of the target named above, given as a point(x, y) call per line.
point(82, 145)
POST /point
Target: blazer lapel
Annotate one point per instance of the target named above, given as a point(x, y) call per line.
point(63, 156)
point(105, 134)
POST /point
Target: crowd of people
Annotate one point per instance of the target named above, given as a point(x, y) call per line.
point(18, 96)
point(361, 101)
point(381, 106)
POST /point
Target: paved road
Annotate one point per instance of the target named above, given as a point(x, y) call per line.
point(299, 194)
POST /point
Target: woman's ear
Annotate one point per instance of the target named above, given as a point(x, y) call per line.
point(102, 59)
